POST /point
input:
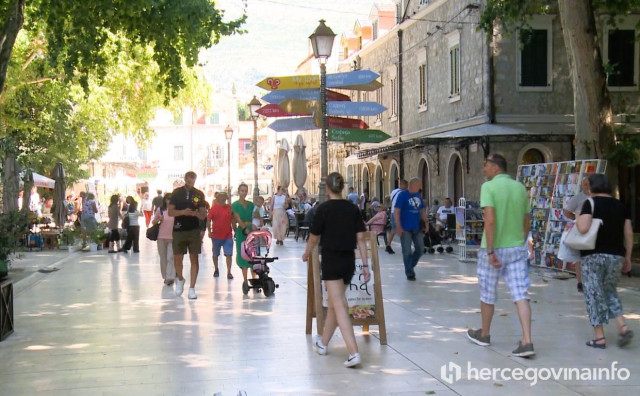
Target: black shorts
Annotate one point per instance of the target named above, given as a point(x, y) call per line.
point(338, 264)
point(115, 236)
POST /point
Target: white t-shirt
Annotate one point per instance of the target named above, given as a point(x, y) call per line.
point(394, 197)
point(443, 211)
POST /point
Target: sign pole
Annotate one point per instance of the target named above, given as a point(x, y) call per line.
point(322, 188)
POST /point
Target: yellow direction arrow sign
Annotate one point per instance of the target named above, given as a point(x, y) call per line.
point(372, 86)
point(300, 106)
point(289, 82)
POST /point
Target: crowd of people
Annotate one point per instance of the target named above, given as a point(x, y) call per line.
point(184, 217)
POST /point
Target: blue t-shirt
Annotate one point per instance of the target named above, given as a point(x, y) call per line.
point(410, 206)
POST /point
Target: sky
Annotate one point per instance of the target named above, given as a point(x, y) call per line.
point(277, 39)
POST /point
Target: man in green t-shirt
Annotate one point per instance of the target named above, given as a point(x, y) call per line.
point(503, 254)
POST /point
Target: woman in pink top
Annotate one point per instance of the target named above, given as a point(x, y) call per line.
point(165, 236)
point(378, 222)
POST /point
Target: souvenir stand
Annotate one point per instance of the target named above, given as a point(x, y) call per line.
point(469, 229)
point(549, 186)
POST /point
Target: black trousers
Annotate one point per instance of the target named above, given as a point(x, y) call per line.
point(133, 233)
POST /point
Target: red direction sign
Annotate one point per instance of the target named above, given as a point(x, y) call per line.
point(339, 122)
point(273, 110)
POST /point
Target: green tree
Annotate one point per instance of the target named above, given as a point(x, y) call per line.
point(592, 105)
point(76, 32)
point(244, 114)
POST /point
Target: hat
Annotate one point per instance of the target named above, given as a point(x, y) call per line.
point(221, 192)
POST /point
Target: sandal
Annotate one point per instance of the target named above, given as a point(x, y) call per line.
point(216, 273)
point(594, 343)
point(625, 338)
point(229, 276)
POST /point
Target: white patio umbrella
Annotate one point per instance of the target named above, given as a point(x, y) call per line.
point(300, 165)
point(284, 173)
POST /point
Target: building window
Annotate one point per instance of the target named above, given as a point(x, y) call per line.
point(534, 54)
point(621, 55)
point(454, 69)
point(178, 153)
point(453, 40)
point(214, 119)
point(533, 58)
point(394, 97)
point(532, 156)
point(374, 30)
point(424, 2)
point(422, 73)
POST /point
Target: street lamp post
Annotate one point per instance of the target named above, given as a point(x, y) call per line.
point(254, 106)
point(228, 134)
point(322, 43)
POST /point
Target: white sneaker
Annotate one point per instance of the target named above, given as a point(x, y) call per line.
point(353, 360)
point(179, 287)
point(192, 294)
point(320, 349)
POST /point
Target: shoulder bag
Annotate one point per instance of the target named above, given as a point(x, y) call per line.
point(154, 230)
point(586, 241)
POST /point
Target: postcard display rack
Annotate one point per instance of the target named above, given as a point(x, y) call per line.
point(549, 186)
point(469, 229)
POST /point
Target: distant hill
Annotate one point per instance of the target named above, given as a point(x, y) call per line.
point(277, 39)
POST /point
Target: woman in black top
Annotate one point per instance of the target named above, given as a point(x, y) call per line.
point(601, 266)
point(337, 223)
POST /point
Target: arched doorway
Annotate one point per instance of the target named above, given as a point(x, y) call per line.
point(350, 177)
point(365, 180)
point(456, 183)
point(394, 177)
point(423, 174)
point(378, 185)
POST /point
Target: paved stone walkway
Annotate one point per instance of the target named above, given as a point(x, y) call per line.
point(104, 324)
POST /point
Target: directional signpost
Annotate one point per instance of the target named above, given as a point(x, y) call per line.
point(304, 94)
point(363, 80)
point(293, 124)
point(356, 135)
point(298, 106)
point(273, 110)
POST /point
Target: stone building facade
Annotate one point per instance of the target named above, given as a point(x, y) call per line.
point(452, 97)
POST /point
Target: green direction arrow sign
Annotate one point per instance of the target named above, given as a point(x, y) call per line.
point(356, 135)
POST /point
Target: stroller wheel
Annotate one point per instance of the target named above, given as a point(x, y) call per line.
point(269, 287)
point(245, 287)
point(440, 249)
point(432, 250)
point(449, 249)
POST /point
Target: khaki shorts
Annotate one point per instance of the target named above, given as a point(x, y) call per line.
point(184, 241)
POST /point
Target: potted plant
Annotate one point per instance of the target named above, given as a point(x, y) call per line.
point(69, 236)
point(13, 227)
point(99, 236)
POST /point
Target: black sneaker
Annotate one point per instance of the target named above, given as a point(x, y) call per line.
point(389, 250)
point(580, 288)
point(411, 278)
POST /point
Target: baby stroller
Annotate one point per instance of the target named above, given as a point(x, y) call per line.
point(433, 241)
point(250, 251)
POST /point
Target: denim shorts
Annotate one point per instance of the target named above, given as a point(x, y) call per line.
point(225, 244)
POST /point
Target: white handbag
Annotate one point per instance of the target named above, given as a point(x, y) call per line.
point(586, 241)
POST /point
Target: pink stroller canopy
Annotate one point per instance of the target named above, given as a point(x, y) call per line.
point(251, 246)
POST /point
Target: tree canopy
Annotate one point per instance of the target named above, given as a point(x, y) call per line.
point(80, 72)
point(77, 31)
